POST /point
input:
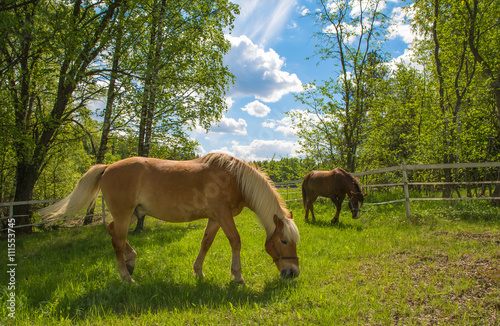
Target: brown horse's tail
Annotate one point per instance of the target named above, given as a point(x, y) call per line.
point(83, 195)
point(304, 193)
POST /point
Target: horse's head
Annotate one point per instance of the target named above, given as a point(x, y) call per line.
point(283, 250)
point(355, 201)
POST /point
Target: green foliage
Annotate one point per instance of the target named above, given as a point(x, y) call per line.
point(443, 108)
point(58, 60)
point(380, 269)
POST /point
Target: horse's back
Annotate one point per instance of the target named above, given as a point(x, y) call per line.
point(175, 191)
point(322, 183)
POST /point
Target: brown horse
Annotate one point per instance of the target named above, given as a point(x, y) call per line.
point(334, 184)
point(215, 187)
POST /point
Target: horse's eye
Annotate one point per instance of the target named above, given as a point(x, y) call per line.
point(283, 242)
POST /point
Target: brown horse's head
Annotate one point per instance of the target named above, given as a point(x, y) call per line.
point(355, 201)
point(283, 249)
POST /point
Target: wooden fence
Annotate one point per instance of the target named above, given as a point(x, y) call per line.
point(294, 186)
point(406, 184)
point(11, 215)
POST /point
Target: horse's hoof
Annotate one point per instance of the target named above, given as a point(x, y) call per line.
point(199, 273)
point(240, 282)
point(130, 269)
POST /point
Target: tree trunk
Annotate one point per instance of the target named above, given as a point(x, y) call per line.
point(150, 88)
point(26, 177)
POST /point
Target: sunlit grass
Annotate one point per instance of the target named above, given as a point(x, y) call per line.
point(382, 269)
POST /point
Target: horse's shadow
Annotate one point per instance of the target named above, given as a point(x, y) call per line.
point(339, 225)
point(163, 293)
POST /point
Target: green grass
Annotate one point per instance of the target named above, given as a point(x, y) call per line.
point(443, 268)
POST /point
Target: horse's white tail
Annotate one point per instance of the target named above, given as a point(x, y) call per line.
point(82, 196)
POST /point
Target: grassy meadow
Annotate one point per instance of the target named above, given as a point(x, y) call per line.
point(443, 268)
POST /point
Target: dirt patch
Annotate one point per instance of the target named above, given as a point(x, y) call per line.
point(450, 291)
point(482, 237)
point(466, 236)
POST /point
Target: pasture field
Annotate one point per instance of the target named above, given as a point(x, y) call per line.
point(441, 269)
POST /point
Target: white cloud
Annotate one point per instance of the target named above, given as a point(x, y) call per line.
point(229, 102)
point(259, 149)
point(304, 11)
point(399, 25)
point(285, 126)
point(230, 126)
point(365, 6)
point(408, 59)
point(257, 109)
point(258, 72)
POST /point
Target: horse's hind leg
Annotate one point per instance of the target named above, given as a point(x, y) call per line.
point(208, 238)
point(118, 232)
point(307, 211)
point(311, 207)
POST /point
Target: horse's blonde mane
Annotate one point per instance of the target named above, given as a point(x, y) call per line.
point(259, 192)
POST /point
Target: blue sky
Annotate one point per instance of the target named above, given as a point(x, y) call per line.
point(270, 41)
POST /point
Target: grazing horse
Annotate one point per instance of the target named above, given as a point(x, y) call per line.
point(334, 184)
point(215, 187)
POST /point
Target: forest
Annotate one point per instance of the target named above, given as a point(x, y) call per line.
point(157, 67)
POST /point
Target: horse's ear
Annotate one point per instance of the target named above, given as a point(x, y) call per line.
point(277, 221)
point(365, 194)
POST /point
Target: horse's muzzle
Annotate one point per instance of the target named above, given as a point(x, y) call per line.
point(289, 273)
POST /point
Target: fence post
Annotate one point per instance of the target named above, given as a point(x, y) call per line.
point(406, 191)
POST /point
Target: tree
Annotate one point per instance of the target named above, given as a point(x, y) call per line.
point(397, 119)
point(484, 42)
point(350, 35)
point(448, 28)
point(184, 78)
point(46, 52)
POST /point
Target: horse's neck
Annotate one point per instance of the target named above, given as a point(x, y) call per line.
point(349, 185)
point(265, 208)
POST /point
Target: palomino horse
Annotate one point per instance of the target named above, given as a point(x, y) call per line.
point(215, 187)
point(334, 184)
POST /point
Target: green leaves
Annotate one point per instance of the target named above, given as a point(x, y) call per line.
point(372, 113)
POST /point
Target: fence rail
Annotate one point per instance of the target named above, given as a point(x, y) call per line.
point(293, 185)
point(42, 223)
point(406, 184)
point(404, 168)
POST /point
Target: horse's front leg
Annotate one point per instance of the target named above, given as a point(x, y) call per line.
point(208, 238)
point(338, 204)
point(229, 228)
point(130, 255)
